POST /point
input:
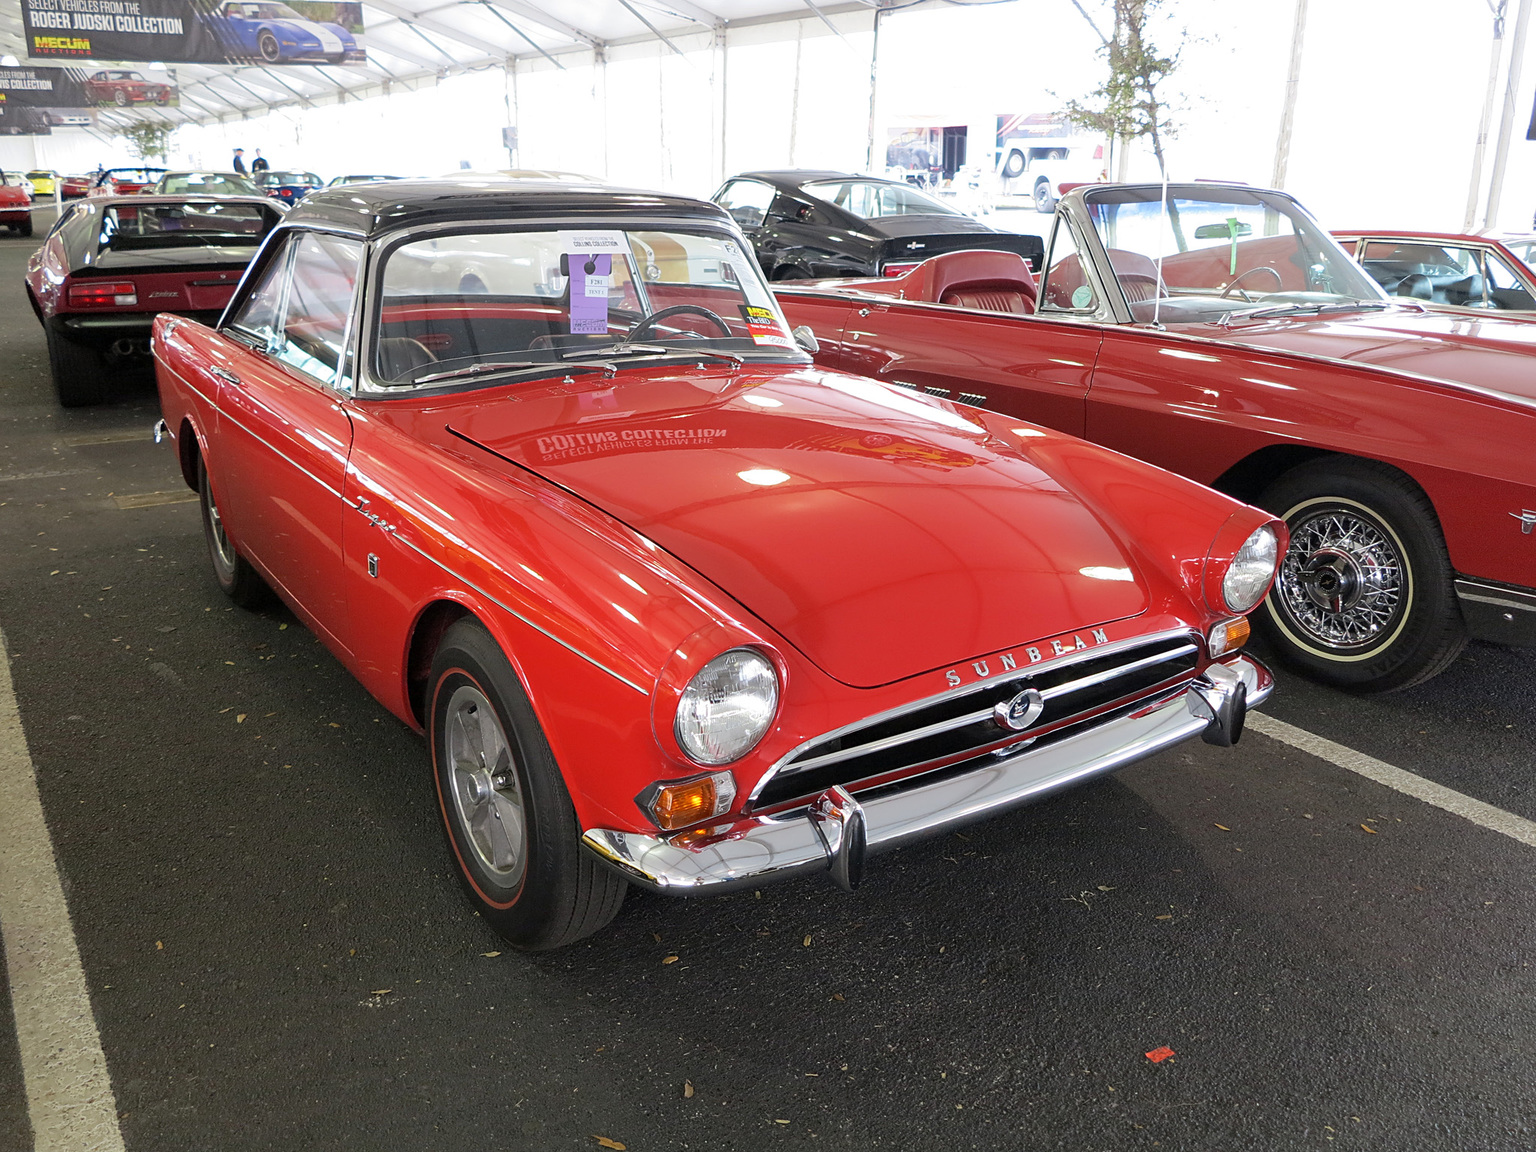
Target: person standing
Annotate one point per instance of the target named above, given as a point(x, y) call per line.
point(260, 163)
point(240, 161)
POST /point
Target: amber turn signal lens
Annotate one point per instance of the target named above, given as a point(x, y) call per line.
point(1229, 636)
point(687, 802)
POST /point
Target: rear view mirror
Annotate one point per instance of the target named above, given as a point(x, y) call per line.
point(806, 339)
point(1230, 230)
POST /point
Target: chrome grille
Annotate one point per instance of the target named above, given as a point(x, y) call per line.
point(960, 724)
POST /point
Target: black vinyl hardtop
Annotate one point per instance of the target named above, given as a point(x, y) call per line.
point(376, 209)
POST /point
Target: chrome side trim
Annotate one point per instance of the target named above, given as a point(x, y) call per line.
point(1499, 595)
point(513, 612)
point(1075, 657)
point(822, 837)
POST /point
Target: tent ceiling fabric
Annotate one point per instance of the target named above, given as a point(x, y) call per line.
point(413, 39)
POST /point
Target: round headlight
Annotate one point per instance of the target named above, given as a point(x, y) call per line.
point(1251, 569)
point(727, 707)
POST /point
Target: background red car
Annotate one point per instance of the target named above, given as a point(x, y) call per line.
point(124, 87)
point(15, 204)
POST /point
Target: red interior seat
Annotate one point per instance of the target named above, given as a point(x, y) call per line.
point(987, 280)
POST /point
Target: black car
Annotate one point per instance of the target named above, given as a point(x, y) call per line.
point(806, 224)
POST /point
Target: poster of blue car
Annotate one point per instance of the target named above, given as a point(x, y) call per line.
point(197, 31)
point(304, 32)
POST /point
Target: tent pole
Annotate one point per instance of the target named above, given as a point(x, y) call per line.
point(1507, 120)
point(874, 68)
point(1288, 112)
point(1475, 185)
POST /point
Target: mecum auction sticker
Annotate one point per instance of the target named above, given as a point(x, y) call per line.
point(764, 327)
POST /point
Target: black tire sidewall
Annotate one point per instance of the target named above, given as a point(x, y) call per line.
point(77, 372)
point(1431, 624)
point(468, 654)
point(226, 575)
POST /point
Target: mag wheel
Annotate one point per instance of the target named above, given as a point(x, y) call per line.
point(238, 580)
point(1364, 597)
point(510, 823)
point(120, 98)
point(269, 48)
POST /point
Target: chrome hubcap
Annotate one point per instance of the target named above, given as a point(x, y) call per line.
point(1342, 580)
point(487, 797)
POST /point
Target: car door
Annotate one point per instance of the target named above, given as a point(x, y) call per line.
point(284, 432)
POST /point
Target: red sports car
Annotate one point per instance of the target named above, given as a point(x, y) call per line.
point(1219, 332)
point(125, 87)
point(1450, 270)
point(673, 606)
point(15, 203)
point(124, 181)
point(109, 266)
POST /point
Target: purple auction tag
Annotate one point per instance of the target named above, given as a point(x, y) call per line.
point(591, 277)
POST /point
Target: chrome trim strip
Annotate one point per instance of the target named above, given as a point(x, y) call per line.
point(518, 615)
point(1496, 594)
point(758, 849)
point(973, 717)
point(1119, 670)
point(1075, 657)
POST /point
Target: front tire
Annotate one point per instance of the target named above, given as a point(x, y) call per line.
point(271, 51)
point(237, 579)
point(78, 372)
point(1365, 598)
point(120, 98)
point(508, 816)
point(1013, 166)
point(1044, 201)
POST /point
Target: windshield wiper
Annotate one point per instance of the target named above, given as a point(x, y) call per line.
point(482, 368)
point(1318, 309)
point(654, 350)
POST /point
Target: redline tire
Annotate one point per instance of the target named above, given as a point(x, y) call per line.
point(508, 817)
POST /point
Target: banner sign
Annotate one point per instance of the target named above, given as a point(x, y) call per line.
point(197, 31)
point(60, 89)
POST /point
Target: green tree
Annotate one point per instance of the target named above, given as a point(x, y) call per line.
point(1128, 105)
point(147, 140)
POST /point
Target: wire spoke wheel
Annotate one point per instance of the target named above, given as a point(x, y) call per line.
point(487, 797)
point(1343, 581)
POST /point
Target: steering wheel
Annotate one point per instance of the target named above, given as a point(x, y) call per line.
point(650, 321)
point(1236, 280)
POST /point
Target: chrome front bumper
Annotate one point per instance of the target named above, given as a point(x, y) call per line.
point(837, 831)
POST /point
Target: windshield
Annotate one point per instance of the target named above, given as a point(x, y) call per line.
point(1219, 251)
point(466, 304)
point(873, 199)
point(128, 227)
point(212, 183)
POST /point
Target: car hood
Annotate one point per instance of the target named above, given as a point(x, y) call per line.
point(901, 226)
point(1490, 354)
point(881, 533)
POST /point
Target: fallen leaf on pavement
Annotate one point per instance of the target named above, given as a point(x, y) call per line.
point(1164, 916)
point(806, 943)
point(838, 996)
point(381, 992)
point(1158, 1055)
point(687, 1089)
point(1223, 827)
point(240, 719)
point(604, 1142)
point(490, 953)
point(670, 959)
point(1365, 828)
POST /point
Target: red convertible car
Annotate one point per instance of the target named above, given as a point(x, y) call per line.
point(1450, 270)
point(109, 266)
point(672, 606)
point(1219, 332)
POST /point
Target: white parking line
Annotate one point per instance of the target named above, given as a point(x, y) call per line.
point(69, 1096)
point(1485, 815)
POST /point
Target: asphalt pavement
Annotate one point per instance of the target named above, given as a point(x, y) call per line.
point(278, 956)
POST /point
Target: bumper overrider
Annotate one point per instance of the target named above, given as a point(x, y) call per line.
point(836, 831)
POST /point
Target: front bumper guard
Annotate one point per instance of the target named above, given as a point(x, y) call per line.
point(836, 832)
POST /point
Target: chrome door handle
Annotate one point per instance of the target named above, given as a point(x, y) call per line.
point(225, 375)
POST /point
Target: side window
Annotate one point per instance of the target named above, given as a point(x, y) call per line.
point(257, 319)
point(320, 287)
point(1067, 287)
point(747, 201)
point(1504, 288)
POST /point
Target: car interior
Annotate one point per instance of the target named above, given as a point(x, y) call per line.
point(1442, 275)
